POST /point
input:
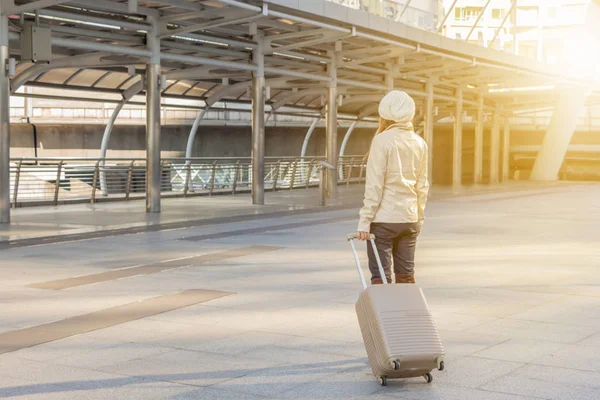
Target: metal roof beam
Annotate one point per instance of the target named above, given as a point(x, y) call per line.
point(113, 6)
point(30, 7)
point(210, 25)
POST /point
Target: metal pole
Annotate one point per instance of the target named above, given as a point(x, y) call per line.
point(429, 128)
point(258, 125)
point(153, 162)
point(441, 26)
point(192, 136)
point(344, 143)
point(495, 147)
point(457, 142)
point(308, 135)
point(478, 171)
point(104, 146)
point(190, 146)
point(512, 6)
point(4, 121)
point(331, 128)
point(506, 149)
point(481, 14)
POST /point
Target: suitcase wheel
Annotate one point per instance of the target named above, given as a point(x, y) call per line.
point(382, 380)
point(441, 367)
point(396, 365)
point(428, 377)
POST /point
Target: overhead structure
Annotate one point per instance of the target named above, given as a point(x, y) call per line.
point(217, 52)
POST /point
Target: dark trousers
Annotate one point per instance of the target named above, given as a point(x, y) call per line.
point(395, 244)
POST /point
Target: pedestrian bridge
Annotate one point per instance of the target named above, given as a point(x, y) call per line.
point(316, 60)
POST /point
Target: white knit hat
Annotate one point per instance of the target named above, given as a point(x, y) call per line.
point(397, 106)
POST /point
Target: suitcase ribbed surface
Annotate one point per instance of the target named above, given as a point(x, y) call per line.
point(396, 325)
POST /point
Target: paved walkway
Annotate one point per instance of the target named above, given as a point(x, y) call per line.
point(263, 308)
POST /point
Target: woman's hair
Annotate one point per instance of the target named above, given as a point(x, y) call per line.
point(384, 124)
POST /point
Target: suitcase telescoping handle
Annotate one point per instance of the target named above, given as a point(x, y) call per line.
point(353, 236)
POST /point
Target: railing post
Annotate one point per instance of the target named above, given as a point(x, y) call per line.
point(187, 179)
point(129, 180)
point(95, 182)
point(311, 167)
point(322, 185)
point(293, 179)
point(362, 172)
point(350, 172)
point(57, 187)
point(213, 175)
point(16, 189)
point(276, 175)
point(235, 176)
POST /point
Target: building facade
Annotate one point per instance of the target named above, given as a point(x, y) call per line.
point(546, 30)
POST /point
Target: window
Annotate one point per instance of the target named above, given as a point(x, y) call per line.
point(498, 13)
point(467, 13)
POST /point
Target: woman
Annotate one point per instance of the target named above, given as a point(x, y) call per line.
point(396, 190)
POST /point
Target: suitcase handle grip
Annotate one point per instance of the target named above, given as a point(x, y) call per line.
point(353, 236)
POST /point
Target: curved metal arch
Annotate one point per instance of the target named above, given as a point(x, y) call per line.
point(127, 95)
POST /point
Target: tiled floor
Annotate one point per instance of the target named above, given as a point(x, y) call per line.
point(511, 278)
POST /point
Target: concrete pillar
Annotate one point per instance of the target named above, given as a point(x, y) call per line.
point(153, 161)
point(506, 149)
point(570, 104)
point(4, 123)
point(429, 121)
point(258, 125)
point(478, 170)
point(457, 142)
point(495, 147)
point(331, 128)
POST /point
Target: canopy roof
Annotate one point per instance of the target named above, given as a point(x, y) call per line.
point(207, 55)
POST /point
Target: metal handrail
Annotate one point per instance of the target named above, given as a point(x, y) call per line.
point(60, 180)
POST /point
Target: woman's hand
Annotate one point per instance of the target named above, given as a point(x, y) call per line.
point(363, 235)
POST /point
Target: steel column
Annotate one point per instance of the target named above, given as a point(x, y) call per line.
point(331, 128)
point(344, 143)
point(104, 146)
point(429, 121)
point(192, 136)
point(153, 161)
point(495, 147)
point(258, 125)
point(457, 141)
point(481, 14)
point(308, 135)
point(506, 149)
point(569, 106)
point(478, 168)
point(4, 121)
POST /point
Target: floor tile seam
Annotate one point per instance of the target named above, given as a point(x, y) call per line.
point(512, 371)
point(566, 294)
point(596, 371)
point(158, 267)
point(564, 324)
point(513, 394)
point(240, 390)
point(165, 348)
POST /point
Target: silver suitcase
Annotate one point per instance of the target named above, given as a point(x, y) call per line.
point(397, 328)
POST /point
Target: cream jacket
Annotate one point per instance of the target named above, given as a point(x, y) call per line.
point(397, 187)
